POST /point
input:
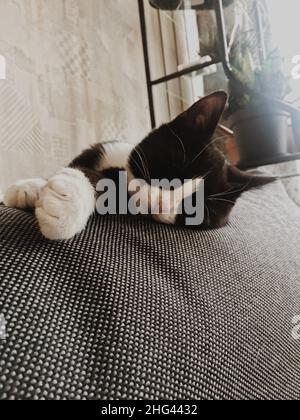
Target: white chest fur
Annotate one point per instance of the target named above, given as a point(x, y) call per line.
point(116, 155)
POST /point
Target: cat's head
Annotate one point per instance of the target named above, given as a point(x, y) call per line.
point(183, 149)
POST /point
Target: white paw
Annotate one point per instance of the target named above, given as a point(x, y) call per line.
point(24, 194)
point(66, 203)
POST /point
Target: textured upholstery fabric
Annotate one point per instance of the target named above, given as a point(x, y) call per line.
point(131, 309)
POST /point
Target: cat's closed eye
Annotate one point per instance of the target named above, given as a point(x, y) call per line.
point(185, 149)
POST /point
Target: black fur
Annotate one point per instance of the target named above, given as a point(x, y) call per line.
point(88, 163)
point(184, 149)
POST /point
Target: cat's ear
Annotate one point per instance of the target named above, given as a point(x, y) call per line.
point(241, 182)
point(205, 114)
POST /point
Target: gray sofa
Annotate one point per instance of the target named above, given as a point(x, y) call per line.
point(134, 310)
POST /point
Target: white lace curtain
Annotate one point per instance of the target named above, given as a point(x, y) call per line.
point(71, 74)
point(173, 39)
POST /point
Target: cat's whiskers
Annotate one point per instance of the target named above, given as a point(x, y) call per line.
point(230, 192)
point(209, 144)
point(146, 171)
point(180, 141)
point(203, 177)
point(145, 161)
point(141, 169)
point(221, 199)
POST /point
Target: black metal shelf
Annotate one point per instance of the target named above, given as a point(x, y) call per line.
point(224, 60)
point(151, 83)
point(187, 70)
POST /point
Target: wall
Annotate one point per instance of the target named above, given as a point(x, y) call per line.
point(74, 76)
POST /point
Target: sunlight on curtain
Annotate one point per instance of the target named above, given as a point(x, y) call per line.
point(285, 26)
point(74, 75)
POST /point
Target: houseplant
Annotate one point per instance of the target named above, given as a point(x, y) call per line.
point(260, 128)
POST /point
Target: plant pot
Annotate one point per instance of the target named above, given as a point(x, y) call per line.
point(166, 4)
point(261, 133)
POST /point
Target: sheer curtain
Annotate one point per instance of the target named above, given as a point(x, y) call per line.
point(173, 40)
point(287, 41)
point(72, 73)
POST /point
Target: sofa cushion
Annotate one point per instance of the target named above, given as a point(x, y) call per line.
point(133, 309)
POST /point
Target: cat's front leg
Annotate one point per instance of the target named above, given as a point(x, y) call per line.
point(66, 202)
point(24, 194)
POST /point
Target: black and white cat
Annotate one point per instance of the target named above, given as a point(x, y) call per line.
point(182, 149)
